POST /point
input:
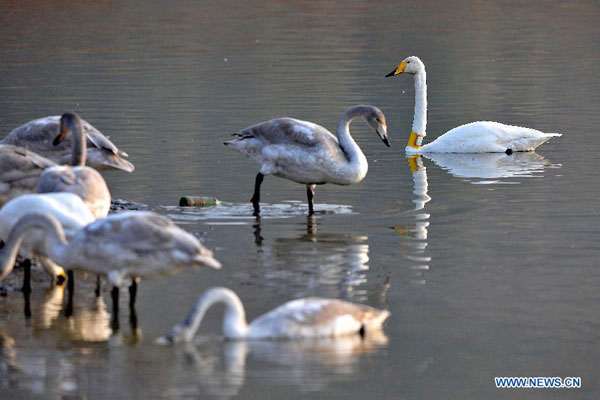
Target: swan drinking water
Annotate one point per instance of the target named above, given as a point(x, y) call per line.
point(302, 318)
point(475, 137)
point(307, 153)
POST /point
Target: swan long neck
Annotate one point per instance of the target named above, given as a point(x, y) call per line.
point(78, 149)
point(420, 118)
point(234, 320)
point(54, 240)
point(354, 154)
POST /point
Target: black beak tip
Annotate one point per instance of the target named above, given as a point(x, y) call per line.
point(386, 141)
point(56, 140)
point(390, 74)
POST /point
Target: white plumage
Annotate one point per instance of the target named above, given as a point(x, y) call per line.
point(475, 137)
point(67, 208)
point(303, 318)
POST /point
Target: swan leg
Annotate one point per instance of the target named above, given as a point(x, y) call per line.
point(27, 305)
point(132, 293)
point(70, 281)
point(310, 194)
point(115, 303)
point(98, 286)
point(256, 196)
point(26, 288)
point(70, 292)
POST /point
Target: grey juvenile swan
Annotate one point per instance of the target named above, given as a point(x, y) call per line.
point(38, 136)
point(127, 245)
point(307, 153)
point(84, 181)
point(311, 317)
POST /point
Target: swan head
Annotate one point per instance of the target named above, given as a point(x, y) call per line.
point(376, 120)
point(410, 65)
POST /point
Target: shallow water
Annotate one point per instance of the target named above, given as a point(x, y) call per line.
point(487, 263)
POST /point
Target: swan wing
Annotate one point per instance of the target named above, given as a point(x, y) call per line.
point(289, 131)
point(488, 137)
point(316, 317)
point(142, 236)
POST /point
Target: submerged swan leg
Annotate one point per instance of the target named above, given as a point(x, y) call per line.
point(310, 194)
point(27, 304)
point(70, 292)
point(256, 196)
point(26, 288)
point(98, 286)
point(115, 303)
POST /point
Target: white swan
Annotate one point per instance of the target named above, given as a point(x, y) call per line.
point(127, 245)
point(303, 318)
point(475, 137)
point(20, 170)
point(307, 153)
point(38, 136)
point(68, 208)
point(84, 181)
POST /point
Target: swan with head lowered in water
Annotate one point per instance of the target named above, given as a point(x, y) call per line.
point(475, 137)
point(311, 317)
point(307, 153)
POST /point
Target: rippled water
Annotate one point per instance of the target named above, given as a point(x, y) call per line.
point(488, 263)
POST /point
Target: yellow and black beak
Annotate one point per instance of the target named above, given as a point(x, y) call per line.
point(398, 70)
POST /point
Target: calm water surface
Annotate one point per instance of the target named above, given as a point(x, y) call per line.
point(488, 263)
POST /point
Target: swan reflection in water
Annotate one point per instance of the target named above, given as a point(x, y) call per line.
point(492, 166)
point(414, 233)
point(335, 263)
point(221, 367)
point(88, 321)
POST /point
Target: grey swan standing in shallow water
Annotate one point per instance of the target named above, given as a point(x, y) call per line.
point(38, 136)
point(311, 317)
point(84, 181)
point(307, 153)
point(475, 137)
point(127, 245)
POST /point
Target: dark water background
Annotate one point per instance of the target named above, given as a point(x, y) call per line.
point(489, 265)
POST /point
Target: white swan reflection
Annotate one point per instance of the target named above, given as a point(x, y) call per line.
point(414, 232)
point(310, 364)
point(492, 166)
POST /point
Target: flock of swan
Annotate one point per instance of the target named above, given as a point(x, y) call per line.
point(55, 208)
